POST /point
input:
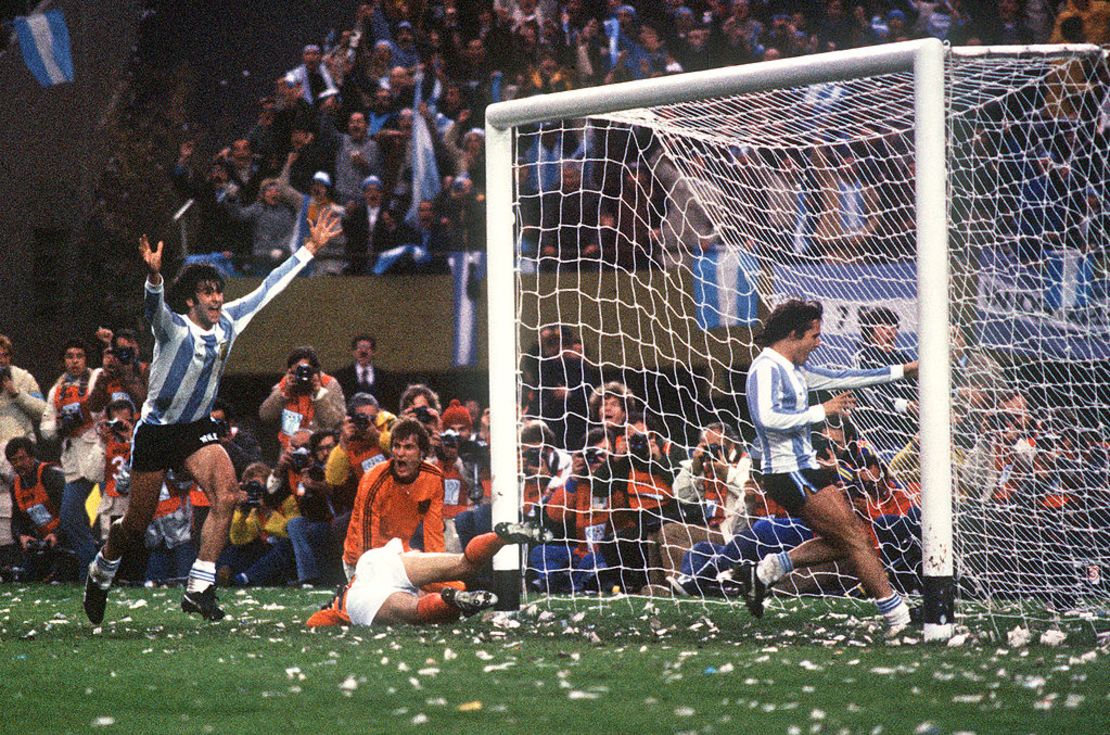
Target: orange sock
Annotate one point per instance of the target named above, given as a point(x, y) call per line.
point(482, 548)
point(433, 609)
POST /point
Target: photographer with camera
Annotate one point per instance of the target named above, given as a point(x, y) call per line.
point(115, 431)
point(363, 441)
point(300, 473)
point(710, 491)
point(21, 407)
point(577, 563)
point(36, 496)
point(642, 468)
point(21, 401)
point(123, 375)
point(304, 398)
point(462, 479)
point(68, 418)
point(261, 552)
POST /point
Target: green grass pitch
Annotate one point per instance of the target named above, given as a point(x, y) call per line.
point(616, 665)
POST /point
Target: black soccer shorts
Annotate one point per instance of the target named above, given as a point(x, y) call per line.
point(791, 490)
point(158, 447)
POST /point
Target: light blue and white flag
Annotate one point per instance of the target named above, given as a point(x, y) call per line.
point(725, 288)
point(301, 229)
point(44, 40)
point(425, 172)
point(468, 270)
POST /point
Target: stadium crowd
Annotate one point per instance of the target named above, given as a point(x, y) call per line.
point(384, 123)
point(632, 506)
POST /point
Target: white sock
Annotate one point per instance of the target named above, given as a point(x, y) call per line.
point(103, 571)
point(201, 576)
point(894, 610)
point(774, 567)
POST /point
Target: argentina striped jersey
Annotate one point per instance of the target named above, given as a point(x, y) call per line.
point(778, 400)
point(189, 361)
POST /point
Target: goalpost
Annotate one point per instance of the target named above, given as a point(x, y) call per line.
point(702, 199)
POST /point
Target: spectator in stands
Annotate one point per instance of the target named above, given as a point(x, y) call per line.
point(358, 156)
point(462, 210)
point(36, 496)
point(887, 414)
point(271, 219)
point(305, 398)
point(312, 149)
point(396, 497)
point(382, 116)
point(331, 259)
point(219, 236)
point(67, 418)
point(365, 228)
point(569, 233)
point(240, 443)
point(630, 235)
point(311, 531)
point(312, 76)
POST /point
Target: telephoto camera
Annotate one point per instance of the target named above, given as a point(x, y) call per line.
point(118, 427)
point(70, 419)
point(450, 439)
point(360, 420)
point(5, 373)
point(300, 458)
point(255, 490)
point(125, 355)
point(423, 414)
point(639, 446)
point(302, 378)
point(37, 546)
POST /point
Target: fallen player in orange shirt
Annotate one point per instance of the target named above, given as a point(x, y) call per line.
point(386, 586)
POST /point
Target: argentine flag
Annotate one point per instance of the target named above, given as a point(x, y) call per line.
point(724, 287)
point(44, 40)
point(468, 270)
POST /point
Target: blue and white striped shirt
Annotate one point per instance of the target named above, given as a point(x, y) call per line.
point(778, 400)
point(189, 361)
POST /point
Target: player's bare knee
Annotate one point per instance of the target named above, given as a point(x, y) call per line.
point(225, 501)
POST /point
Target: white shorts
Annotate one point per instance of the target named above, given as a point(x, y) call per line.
point(378, 574)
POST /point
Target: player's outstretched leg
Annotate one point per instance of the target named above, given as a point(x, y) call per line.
point(522, 533)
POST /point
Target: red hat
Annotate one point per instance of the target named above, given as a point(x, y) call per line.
point(456, 413)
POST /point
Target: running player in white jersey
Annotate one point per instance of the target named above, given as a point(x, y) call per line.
point(192, 344)
point(779, 381)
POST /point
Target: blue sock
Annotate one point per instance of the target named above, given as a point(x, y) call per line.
point(787, 564)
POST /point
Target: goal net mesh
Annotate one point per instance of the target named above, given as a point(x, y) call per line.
point(652, 242)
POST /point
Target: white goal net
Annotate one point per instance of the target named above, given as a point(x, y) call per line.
point(649, 244)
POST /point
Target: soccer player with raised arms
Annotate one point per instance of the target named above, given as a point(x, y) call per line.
point(176, 430)
point(778, 384)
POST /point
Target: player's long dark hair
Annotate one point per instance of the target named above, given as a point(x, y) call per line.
point(790, 318)
point(186, 284)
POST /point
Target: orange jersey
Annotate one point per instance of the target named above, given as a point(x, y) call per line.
point(385, 509)
point(117, 464)
point(646, 491)
point(36, 502)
